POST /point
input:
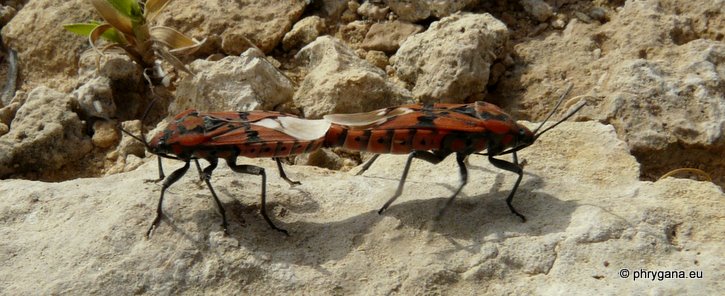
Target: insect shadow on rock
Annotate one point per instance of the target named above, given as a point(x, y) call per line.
point(194, 135)
point(432, 132)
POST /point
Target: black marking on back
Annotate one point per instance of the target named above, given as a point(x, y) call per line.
point(365, 140)
point(341, 139)
point(426, 121)
point(252, 136)
point(466, 110)
point(411, 135)
point(278, 148)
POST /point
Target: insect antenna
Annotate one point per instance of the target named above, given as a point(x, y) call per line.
point(558, 103)
point(142, 138)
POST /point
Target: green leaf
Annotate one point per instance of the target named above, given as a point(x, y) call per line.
point(113, 16)
point(81, 29)
point(129, 8)
point(86, 29)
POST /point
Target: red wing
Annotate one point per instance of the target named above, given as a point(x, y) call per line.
point(440, 119)
point(249, 134)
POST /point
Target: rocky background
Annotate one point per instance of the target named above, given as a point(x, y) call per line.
point(650, 71)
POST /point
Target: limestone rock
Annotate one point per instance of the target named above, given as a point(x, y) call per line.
point(417, 10)
point(37, 34)
point(388, 36)
point(452, 59)
point(341, 82)
point(373, 11)
point(653, 110)
point(539, 9)
point(303, 32)
point(44, 135)
point(105, 134)
point(95, 98)
point(263, 22)
point(247, 82)
point(587, 220)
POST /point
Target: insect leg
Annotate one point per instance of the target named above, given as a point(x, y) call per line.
point(283, 174)
point(511, 167)
point(460, 158)
point(424, 155)
point(175, 176)
point(367, 164)
point(206, 176)
point(161, 169)
point(198, 169)
point(259, 171)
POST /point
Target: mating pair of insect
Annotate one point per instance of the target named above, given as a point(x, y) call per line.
point(430, 132)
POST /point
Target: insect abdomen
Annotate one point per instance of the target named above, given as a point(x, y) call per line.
point(402, 141)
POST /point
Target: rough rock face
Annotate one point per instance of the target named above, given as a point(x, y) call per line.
point(388, 36)
point(588, 219)
point(303, 32)
point(341, 82)
point(452, 59)
point(263, 22)
point(36, 33)
point(417, 10)
point(653, 69)
point(247, 82)
point(44, 128)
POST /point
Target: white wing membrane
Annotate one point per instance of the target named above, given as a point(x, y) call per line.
point(301, 129)
point(367, 119)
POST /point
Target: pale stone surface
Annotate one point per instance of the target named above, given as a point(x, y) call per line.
point(588, 218)
point(417, 10)
point(303, 32)
point(243, 83)
point(341, 82)
point(653, 70)
point(95, 98)
point(373, 11)
point(105, 134)
point(452, 59)
point(44, 135)
point(539, 9)
point(263, 22)
point(37, 34)
point(388, 36)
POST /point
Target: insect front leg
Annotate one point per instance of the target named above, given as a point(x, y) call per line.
point(161, 173)
point(198, 169)
point(368, 164)
point(424, 155)
point(460, 158)
point(259, 171)
point(283, 174)
point(511, 167)
point(175, 176)
point(206, 176)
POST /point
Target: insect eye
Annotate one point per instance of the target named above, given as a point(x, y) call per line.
point(522, 132)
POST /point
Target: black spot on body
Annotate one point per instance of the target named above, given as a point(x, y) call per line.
point(426, 121)
point(253, 136)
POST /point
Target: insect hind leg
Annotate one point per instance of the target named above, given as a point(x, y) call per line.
point(424, 155)
point(175, 176)
point(283, 175)
point(460, 158)
point(206, 176)
point(368, 164)
point(514, 168)
point(259, 171)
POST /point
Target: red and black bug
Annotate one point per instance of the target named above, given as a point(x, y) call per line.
point(194, 135)
point(431, 132)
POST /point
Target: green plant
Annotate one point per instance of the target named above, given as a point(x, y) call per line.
point(127, 26)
